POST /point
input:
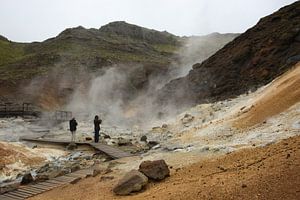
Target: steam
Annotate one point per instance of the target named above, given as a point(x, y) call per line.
point(196, 49)
point(125, 95)
point(104, 96)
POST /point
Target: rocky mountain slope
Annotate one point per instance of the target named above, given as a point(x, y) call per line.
point(52, 69)
point(253, 59)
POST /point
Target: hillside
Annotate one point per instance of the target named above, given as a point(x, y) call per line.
point(92, 48)
point(251, 60)
point(51, 70)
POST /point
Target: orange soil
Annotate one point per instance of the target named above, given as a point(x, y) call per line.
point(9, 154)
point(49, 100)
point(281, 94)
point(271, 172)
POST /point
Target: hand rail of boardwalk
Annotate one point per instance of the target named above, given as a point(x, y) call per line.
point(28, 109)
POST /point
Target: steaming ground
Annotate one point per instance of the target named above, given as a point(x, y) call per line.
point(207, 149)
point(113, 94)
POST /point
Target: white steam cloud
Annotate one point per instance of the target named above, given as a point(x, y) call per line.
point(113, 95)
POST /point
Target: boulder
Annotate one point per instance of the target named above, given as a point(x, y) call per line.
point(156, 170)
point(27, 178)
point(133, 181)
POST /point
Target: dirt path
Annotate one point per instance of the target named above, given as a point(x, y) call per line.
point(271, 172)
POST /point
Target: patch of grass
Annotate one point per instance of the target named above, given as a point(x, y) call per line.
point(166, 48)
point(10, 52)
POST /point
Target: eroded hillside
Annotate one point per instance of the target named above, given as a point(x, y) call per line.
point(253, 59)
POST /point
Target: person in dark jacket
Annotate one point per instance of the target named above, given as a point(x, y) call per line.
point(97, 123)
point(73, 127)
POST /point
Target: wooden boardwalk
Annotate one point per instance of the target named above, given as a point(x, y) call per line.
point(113, 152)
point(31, 190)
point(110, 151)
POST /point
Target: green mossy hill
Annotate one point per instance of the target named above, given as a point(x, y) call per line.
point(114, 43)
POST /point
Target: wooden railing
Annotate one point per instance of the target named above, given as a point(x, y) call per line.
point(28, 109)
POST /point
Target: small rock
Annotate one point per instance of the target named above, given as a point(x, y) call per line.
point(156, 147)
point(97, 169)
point(144, 138)
point(75, 180)
point(124, 142)
point(108, 170)
point(187, 119)
point(106, 178)
point(156, 170)
point(222, 168)
point(75, 167)
point(132, 181)
point(41, 177)
point(27, 178)
point(106, 136)
point(164, 126)
point(71, 146)
point(152, 143)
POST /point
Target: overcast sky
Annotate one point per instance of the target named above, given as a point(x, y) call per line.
point(37, 20)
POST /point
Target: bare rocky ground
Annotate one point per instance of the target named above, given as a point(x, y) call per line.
point(270, 172)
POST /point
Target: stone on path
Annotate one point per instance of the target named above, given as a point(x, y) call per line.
point(133, 181)
point(156, 170)
point(27, 178)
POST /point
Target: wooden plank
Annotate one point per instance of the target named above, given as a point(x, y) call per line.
point(37, 188)
point(111, 151)
point(20, 194)
point(77, 175)
point(30, 188)
point(28, 192)
point(55, 182)
point(65, 178)
point(48, 184)
point(48, 140)
point(13, 196)
point(2, 197)
point(41, 187)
